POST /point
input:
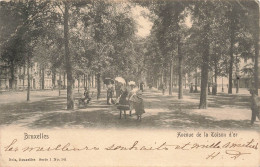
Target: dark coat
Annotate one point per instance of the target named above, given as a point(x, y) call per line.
point(110, 92)
point(139, 106)
point(86, 94)
point(123, 98)
point(123, 102)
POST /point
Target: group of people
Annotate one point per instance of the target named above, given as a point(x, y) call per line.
point(127, 98)
point(130, 98)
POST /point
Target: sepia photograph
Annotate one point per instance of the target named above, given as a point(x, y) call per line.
point(130, 76)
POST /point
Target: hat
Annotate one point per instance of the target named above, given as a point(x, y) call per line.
point(139, 94)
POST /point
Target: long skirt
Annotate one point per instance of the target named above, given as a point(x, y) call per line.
point(139, 108)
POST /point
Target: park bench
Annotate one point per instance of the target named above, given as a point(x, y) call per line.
point(124, 108)
point(84, 101)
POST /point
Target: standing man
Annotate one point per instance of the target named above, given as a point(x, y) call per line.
point(191, 87)
point(86, 95)
point(118, 89)
point(142, 86)
point(163, 88)
point(110, 92)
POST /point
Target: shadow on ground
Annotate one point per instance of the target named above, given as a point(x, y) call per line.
point(161, 112)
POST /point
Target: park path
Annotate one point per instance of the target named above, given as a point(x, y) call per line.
point(47, 110)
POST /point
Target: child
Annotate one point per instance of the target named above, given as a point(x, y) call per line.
point(138, 105)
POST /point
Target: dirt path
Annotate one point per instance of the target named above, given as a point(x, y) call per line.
point(162, 111)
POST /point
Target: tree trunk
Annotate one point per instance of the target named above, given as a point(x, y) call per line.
point(84, 81)
point(232, 36)
point(185, 81)
point(256, 43)
point(204, 84)
point(170, 83)
point(204, 68)
point(93, 83)
point(177, 80)
point(165, 77)
point(28, 77)
point(162, 79)
point(237, 85)
point(11, 84)
point(43, 81)
point(222, 85)
point(23, 75)
point(59, 83)
point(53, 77)
point(70, 98)
point(78, 83)
point(214, 86)
point(180, 96)
point(88, 81)
point(216, 80)
point(64, 80)
point(196, 81)
point(98, 86)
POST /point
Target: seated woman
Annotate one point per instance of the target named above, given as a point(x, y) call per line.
point(86, 99)
point(86, 95)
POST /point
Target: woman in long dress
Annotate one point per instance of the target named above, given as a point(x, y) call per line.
point(123, 103)
point(131, 95)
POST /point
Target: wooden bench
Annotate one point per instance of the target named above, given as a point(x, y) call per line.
point(123, 108)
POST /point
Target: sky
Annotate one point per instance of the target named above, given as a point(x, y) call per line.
point(145, 25)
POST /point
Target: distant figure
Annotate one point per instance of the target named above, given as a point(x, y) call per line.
point(110, 93)
point(139, 105)
point(163, 88)
point(214, 89)
point(87, 95)
point(150, 86)
point(118, 89)
point(142, 86)
point(191, 87)
point(209, 85)
point(86, 99)
point(254, 106)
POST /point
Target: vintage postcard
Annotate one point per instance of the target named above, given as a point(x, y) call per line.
point(129, 83)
